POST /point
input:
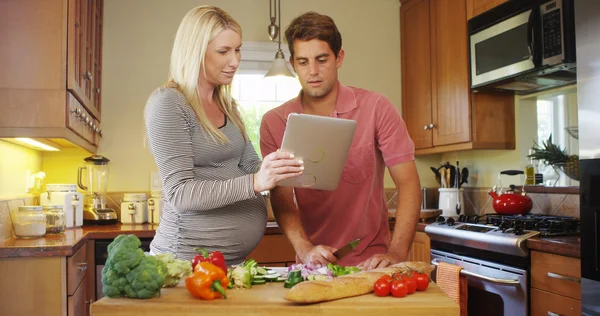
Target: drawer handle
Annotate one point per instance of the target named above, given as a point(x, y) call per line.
point(82, 266)
point(552, 314)
point(565, 278)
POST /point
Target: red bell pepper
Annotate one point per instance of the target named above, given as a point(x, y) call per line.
point(215, 257)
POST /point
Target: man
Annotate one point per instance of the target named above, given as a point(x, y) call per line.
point(318, 222)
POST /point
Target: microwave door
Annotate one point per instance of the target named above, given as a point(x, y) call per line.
point(502, 50)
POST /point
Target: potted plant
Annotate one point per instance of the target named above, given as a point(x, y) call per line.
point(556, 157)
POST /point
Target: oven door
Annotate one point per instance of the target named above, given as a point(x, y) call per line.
point(503, 50)
point(494, 289)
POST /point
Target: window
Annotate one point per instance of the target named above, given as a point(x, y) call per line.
point(557, 115)
point(256, 94)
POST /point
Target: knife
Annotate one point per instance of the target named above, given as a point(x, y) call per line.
point(342, 252)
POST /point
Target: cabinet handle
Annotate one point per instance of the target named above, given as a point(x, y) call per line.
point(88, 75)
point(565, 278)
point(100, 133)
point(97, 90)
point(82, 266)
point(432, 126)
point(425, 127)
point(552, 314)
point(78, 112)
point(87, 120)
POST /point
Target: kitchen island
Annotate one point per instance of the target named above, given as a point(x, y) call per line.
point(268, 300)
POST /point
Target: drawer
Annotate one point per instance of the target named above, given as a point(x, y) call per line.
point(273, 249)
point(80, 121)
point(556, 274)
point(76, 269)
point(76, 303)
point(545, 304)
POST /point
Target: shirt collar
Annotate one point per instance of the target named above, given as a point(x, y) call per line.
point(346, 102)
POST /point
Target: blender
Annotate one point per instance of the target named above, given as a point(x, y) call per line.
point(95, 211)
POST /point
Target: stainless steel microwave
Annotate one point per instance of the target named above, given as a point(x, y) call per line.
point(523, 46)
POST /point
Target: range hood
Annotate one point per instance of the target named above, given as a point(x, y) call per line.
point(549, 78)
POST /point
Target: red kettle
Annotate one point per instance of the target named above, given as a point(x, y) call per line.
point(510, 202)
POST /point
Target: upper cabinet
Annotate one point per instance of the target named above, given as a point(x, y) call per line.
point(438, 107)
point(476, 7)
point(51, 61)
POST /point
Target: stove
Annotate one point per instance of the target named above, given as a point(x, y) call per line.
point(492, 252)
point(504, 234)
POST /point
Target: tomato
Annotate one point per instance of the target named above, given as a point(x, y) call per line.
point(422, 281)
point(411, 285)
point(397, 276)
point(382, 287)
point(386, 277)
point(398, 288)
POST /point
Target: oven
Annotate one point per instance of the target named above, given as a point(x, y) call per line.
point(494, 289)
point(492, 250)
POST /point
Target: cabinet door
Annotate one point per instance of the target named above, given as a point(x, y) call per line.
point(476, 7)
point(416, 71)
point(78, 71)
point(420, 250)
point(97, 25)
point(450, 73)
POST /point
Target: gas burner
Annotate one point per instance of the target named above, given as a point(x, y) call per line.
point(547, 225)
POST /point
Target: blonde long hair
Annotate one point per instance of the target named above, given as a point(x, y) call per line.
point(198, 27)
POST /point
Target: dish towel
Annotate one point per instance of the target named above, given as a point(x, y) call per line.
point(454, 284)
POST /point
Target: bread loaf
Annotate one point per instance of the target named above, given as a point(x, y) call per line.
point(348, 285)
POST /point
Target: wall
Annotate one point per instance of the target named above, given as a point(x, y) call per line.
point(15, 160)
point(138, 36)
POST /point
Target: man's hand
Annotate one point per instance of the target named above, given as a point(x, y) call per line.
point(319, 254)
point(381, 260)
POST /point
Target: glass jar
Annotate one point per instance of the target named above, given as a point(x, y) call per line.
point(29, 221)
point(55, 219)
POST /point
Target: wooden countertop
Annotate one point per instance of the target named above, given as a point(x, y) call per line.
point(569, 246)
point(268, 300)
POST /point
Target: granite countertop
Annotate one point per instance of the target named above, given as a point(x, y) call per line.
point(569, 246)
point(72, 239)
point(67, 243)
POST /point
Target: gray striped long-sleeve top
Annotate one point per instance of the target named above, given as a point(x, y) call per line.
point(209, 200)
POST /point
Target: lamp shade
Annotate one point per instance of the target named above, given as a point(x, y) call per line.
point(280, 67)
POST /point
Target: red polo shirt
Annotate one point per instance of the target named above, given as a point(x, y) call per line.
point(357, 208)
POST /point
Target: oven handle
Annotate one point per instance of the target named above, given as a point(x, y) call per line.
point(506, 282)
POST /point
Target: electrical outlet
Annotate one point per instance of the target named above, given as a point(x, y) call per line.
point(155, 182)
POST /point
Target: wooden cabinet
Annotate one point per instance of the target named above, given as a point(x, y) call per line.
point(421, 247)
point(440, 111)
point(274, 251)
point(555, 284)
point(47, 286)
point(476, 7)
point(51, 64)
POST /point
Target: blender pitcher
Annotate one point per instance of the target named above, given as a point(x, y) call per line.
point(95, 209)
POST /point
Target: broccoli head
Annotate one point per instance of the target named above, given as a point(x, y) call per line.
point(147, 278)
point(129, 272)
point(124, 253)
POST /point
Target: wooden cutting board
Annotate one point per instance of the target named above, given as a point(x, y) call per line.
point(268, 299)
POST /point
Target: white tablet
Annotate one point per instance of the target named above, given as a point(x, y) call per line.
point(323, 143)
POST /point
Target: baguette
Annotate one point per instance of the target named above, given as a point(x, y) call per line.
point(348, 285)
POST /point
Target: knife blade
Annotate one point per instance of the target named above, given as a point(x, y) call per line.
point(342, 252)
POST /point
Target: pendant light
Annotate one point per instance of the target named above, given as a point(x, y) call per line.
point(279, 67)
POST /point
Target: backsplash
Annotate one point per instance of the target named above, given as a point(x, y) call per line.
point(477, 201)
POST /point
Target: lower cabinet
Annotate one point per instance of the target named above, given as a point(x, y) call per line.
point(46, 286)
point(420, 250)
point(274, 251)
point(555, 284)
